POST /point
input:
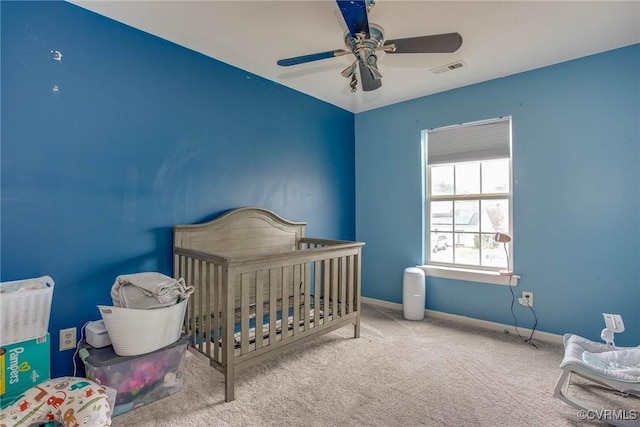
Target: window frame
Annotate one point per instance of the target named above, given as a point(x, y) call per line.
point(451, 270)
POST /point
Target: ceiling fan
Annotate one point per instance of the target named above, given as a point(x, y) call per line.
point(364, 39)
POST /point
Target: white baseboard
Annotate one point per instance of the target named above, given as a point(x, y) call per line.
point(470, 321)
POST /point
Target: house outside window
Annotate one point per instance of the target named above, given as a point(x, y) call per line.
point(468, 195)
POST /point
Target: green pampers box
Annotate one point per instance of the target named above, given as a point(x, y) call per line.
point(24, 364)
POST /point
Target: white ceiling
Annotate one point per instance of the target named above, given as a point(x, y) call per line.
point(500, 38)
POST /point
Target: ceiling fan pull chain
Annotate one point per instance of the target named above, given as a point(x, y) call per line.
point(354, 82)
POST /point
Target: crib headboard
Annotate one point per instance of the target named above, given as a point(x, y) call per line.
point(242, 232)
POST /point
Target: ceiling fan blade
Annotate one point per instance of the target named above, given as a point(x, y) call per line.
point(311, 57)
point(369, 83)
point(437, 43)
point(354, 13)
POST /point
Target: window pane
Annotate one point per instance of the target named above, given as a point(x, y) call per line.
point(441, 216)
point(495, 216)
point(495, 176)
point(467, 215)
point(467, 249)
point(441, 247)
point(468, 178)
point(493, 254)
point(441, 180)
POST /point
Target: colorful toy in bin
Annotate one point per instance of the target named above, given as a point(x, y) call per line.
point(138, 380)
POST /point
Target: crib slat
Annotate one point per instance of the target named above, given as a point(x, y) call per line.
point(349, 284)
point(244, 314)
point(307, 296)
point(197, 307)
point(284, 311)
point(217, 315)
point(326, 287)
point(342, 285)
point(200, 310)
point(297, 282)
point(181, 272)
point(202, 304)
point(334, 288)
point(228, 319)
point(317, 292)
point(194, 302)
point(273, 305)
point(357, 287)
point(178, 271)
point(259, 308)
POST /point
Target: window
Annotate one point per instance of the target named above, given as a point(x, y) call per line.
point(468, 195)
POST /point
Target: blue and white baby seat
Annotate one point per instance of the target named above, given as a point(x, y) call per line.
point(603, 363)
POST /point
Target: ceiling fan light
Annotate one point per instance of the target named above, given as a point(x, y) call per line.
point(348, 72)
point(374, 72)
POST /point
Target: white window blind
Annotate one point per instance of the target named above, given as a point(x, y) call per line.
point(469, 142)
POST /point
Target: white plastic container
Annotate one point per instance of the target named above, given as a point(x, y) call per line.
point(413, 293)
point(133, 332)
point(97, 335)
point(25, 307)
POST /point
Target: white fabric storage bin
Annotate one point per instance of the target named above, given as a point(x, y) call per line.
point(133, 332)
point(413, 293)
point(25, 307)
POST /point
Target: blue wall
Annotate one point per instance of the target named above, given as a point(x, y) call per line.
point(576, 157)
point(143, 134)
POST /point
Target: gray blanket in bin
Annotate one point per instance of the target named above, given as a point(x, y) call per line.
point(148, 290)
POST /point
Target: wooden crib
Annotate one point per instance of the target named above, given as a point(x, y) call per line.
point(259, 280)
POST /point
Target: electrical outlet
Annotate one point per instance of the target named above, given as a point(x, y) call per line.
point(67, 339)
point(527, 298)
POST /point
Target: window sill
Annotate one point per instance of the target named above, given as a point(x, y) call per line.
point(491, 277)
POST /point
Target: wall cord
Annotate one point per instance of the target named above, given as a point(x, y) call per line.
point(515, 320)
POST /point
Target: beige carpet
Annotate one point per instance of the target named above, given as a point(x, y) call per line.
point(398, 373)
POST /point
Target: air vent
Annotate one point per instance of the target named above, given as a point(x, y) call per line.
point(448, 67)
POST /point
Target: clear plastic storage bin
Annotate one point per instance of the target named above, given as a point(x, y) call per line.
point(138, 380)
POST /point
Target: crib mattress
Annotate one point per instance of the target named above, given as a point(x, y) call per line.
point(237, 338)
point(620, 364)
point(289, 325)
